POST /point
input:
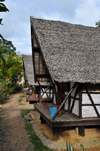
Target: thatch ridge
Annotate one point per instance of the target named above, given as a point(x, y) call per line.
point(71, 52)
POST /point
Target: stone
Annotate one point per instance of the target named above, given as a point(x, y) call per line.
point(27, 118)
point(34, 115)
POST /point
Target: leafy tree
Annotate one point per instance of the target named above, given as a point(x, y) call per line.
point(10, 67)
point(3, 8)
point(7, 46)
point(98, 23)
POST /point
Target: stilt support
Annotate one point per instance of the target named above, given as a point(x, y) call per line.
point(55, 131)
point(42, 120)
point(81, 131)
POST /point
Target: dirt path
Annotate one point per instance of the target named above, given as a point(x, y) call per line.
point(13, 136)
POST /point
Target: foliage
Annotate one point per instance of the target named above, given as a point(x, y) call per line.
point(20, 103)
point(68, 147)
point(7, 46)
point(17, 88)
point(10, 70)
point(98, 23)
point(23, 95)
point(25, 111)
point(3, 95)
point(82, 147)
point(38, 145)
point(3, 8)
point(10, 67)
point(10, 64)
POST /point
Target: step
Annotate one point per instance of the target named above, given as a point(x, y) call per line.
point(27, 118)
point(34, 115)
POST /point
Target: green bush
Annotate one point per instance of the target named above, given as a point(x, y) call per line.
point(3, 95)
point(3, 98)
point(18, 88)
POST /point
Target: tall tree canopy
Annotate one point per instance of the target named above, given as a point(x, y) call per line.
point(7, 46)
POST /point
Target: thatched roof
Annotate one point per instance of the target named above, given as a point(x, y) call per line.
point(71, 52)
point(28, 64)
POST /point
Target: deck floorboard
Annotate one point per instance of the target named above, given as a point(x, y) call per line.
point(66, 119)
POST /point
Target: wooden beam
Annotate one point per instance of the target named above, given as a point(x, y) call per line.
point(80, 101)
point(64, 101)
point(92, 101)
point(92, 92)
point(74, 98)
point(69, 100)
point(42, 75)
point(36, 49)
point(90, 104)
point(44, 92)
point(60, 89)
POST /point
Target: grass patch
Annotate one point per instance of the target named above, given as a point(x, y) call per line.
point(23, 95)
point(38, 145)
point(20, 103)
point(25, 111)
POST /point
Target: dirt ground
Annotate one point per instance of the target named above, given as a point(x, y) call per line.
point(91, 140)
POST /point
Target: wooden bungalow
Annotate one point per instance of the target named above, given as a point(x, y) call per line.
point(28, 70)
point(30, 82)
point(68, 56)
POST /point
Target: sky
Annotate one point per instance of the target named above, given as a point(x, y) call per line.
point(16, 22)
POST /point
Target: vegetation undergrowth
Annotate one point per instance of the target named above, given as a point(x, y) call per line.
point(25, 111)
point(20, 103)
point(4, 93)
point(38, 145)
point(23, 95)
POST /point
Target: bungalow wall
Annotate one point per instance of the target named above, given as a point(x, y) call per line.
point(86, 106)
point(88, 109)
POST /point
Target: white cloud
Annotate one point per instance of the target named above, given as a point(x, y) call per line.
point(17, 21)
point(88, 12)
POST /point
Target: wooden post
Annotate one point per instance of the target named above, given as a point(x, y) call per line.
point(69, 101)
point(42, 120)
point(60, 89)
point(81, 131)
point(80, 100)
point(55, 131)
point(74, 98)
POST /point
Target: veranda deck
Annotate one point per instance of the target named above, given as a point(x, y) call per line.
point(66, 119)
